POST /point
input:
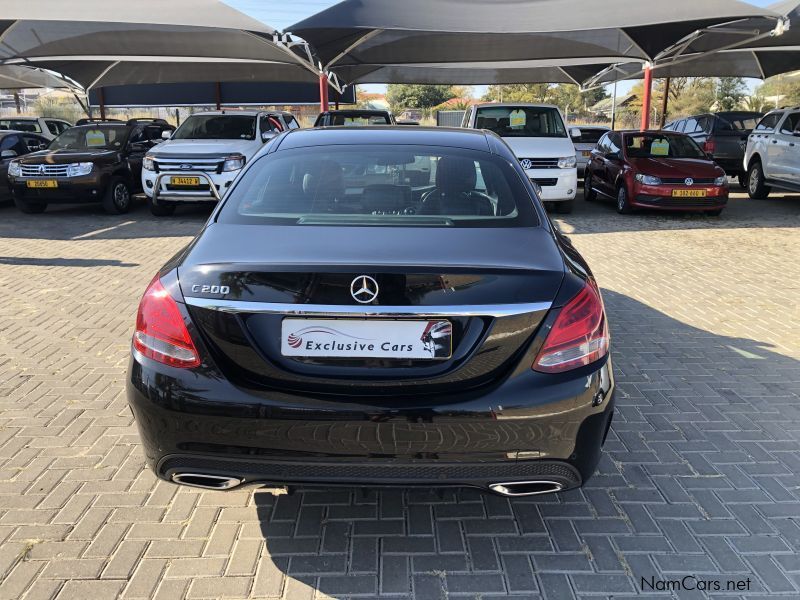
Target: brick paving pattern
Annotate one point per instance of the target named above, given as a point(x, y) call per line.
point(701, 474)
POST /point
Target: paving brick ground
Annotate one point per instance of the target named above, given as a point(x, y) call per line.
point(701, 475)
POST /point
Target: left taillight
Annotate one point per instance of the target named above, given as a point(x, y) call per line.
point(161, 333)
point(579, 335)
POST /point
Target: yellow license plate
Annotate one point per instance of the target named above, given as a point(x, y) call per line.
point(689, 193)
point(185, 181)
point(587, 152)
point(42, 183)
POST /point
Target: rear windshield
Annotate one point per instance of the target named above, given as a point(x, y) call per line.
point(654, 145)
point(92, 137)
point(28, 125)
point(217, 127)
point(737, 122)
point(590, 136)
point(357, 119)
point(376, 185)
point(521, 121)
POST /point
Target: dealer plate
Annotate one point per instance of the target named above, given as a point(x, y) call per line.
point(186, 181)
point(689, 193)
point(367, 338)
point(42, 183)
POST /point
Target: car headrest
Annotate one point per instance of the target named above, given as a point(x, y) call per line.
point(326, 175)
point(455, 175)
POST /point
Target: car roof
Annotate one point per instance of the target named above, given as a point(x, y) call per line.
point(361, 111)
point(456, 137)
point(236, 111)
point(514, 104)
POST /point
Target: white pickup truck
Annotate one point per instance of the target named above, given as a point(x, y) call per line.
point(538, 137)
point(772, 154)
point(201, 159)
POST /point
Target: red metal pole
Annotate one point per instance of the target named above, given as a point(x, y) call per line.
point(323, 93)
point(648, 88)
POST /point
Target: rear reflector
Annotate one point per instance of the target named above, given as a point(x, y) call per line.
point(160, 332)
point(579, 335)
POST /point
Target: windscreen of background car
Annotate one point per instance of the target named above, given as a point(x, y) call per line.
point(92, 137)
point(662, 146)
point(217, 127)
point(27, 125)
point(359, 120)
point(399, 186)
point(521, 121)
point(590, 136)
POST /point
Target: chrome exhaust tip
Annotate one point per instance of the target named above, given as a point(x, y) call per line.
point(527, 488)
point(206, 482)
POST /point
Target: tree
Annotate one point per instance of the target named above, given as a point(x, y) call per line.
point(402, 96)
point(781, 90)
point(730, 91)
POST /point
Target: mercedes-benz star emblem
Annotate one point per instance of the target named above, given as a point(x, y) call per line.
point(364, 289)
point(526, 163)
point(689, 181)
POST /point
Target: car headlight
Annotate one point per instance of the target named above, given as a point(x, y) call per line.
point(14, 169)
point(648, 179)
point(78, 169)
point(721, 180)
point(233, 163)
point(567, 162)
point(149, 163)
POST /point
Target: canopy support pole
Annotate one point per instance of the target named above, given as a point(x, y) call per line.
point(646, 96)
point(664, 103)
point(101, 98)
point(323, 93)
point(613, 107)
point(218, 94)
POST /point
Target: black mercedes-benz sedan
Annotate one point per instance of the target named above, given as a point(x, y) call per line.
point(379, 306)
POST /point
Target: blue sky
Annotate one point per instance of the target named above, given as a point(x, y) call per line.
point(281, 14)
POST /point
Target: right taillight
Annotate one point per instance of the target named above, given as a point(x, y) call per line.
point(709, 146)
point(160, 331)
point(579, 335)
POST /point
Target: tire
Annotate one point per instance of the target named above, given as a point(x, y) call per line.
point(623, 205)
point(117, 199)
point(29, 207)
point(714, 213)
point(756, 188)
point(564, 207)
point(742, 177)
point(160, 210)
point(588, 192)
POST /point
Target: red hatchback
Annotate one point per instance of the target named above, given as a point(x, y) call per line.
point(655, 169)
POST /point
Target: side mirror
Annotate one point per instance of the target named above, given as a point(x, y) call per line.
point(8, 154)
point(574, 133)
point(165, 135)
point(266, 136)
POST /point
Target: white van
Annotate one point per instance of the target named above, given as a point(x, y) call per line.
point(540, 140)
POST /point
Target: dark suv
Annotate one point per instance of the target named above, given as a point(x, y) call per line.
point(354, 117)
point(95, 161)
point(722, 135)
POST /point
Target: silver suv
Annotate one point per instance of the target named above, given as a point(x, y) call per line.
point(772, 156)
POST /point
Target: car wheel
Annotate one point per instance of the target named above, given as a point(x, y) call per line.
point(161, 209)
point(623, 205)
point(564, 207)
point(756, 188)
point(28, 207)
point(117, 199)
point(714, 213)
point(588, 191)
point(742, 177)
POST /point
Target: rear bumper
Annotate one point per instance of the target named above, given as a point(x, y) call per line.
point(531, 426)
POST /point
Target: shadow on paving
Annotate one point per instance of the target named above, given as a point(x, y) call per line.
point(700, 477)
point(63, 262)
point(90, 221)
point(601, 216)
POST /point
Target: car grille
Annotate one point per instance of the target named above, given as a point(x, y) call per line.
point(549, 182)
point(542, 163)
point(195, 164)
point(41, 170)
point(682, 181)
